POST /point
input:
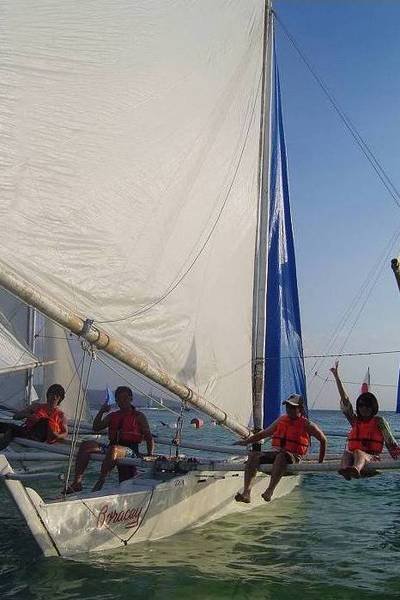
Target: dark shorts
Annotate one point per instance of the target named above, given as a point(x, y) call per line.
point(124, 471)
point(267, 458)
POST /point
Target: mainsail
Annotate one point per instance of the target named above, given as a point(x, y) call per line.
point(130, 184)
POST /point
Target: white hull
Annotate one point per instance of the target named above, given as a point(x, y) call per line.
point(137, 511)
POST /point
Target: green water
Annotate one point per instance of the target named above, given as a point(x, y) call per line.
point(329, 539)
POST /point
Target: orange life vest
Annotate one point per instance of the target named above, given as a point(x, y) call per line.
point(54, 416)
point(291, 435)
point(124, 428)
point(366, 435)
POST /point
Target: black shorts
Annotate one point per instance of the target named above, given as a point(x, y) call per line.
point(267, 458)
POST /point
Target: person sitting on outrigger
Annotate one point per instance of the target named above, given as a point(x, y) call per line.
point(44, 422)
point(290, 441)
point(369, 432)
point(127, 428)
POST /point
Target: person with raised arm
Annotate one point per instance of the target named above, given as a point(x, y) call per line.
point(290, 435)
point(368, 434)
point(127, 428)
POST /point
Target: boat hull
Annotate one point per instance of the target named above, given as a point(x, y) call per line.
point(137, 511)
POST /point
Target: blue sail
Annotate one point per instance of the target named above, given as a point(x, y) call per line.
point(398, 395)
point(284, 364)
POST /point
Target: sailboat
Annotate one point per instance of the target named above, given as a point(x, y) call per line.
point(153, 180)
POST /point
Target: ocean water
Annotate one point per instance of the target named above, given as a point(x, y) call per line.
point(329, 539)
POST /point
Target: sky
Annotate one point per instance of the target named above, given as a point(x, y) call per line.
point(343, 217)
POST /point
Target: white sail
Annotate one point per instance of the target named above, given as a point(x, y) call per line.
point(64, 370)
point(14, 352)
point(129, 162)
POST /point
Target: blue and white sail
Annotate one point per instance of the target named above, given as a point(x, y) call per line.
point(398, 395)
point(284, 364)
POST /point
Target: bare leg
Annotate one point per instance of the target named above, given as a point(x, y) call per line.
point(360, 460)
point(113, 453)
point(253, 462)
point(345, 464)
point(82, 461)
point(278, 469)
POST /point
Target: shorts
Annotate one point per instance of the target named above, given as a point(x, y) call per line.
point(130, 451)
point(267, 458)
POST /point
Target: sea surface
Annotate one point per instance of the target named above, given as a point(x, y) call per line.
point(329, 539)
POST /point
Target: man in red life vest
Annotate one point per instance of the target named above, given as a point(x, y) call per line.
point(290, 441)
point(369, 432)
point(44, 422)
point(127, 428)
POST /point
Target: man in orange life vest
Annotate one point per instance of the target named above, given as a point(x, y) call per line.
point(127, 427)
point(369, 432)
point(290, 441)
point(44, 422)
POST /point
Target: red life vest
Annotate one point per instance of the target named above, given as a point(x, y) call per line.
point(291, 435)
point(54, 416)
point(124, 428)
point(366, 435)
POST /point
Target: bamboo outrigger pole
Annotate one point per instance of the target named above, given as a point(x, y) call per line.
point(103, 341)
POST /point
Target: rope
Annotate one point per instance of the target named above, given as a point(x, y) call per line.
point(114, 533)
point(79, 410)
point(361, 143)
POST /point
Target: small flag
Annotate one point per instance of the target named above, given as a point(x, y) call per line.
point(110, 398)
point(366, 384)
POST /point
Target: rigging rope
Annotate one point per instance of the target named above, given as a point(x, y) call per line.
point(79, 408)
point(363, 145)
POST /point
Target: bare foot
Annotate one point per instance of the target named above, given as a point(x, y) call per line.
point(242, 498)
point(267, 495)
point(344, 472)
point(354, 472)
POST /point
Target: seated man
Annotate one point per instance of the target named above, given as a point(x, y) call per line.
point(290, 441)
point(44, 422)
point(127, 427)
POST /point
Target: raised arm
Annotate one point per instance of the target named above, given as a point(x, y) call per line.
point(345, 404)
point(100, 422)
point(316, 432)
point(256, 437)
point(390, 441)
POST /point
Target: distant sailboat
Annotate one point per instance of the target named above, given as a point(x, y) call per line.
point(157, 177)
